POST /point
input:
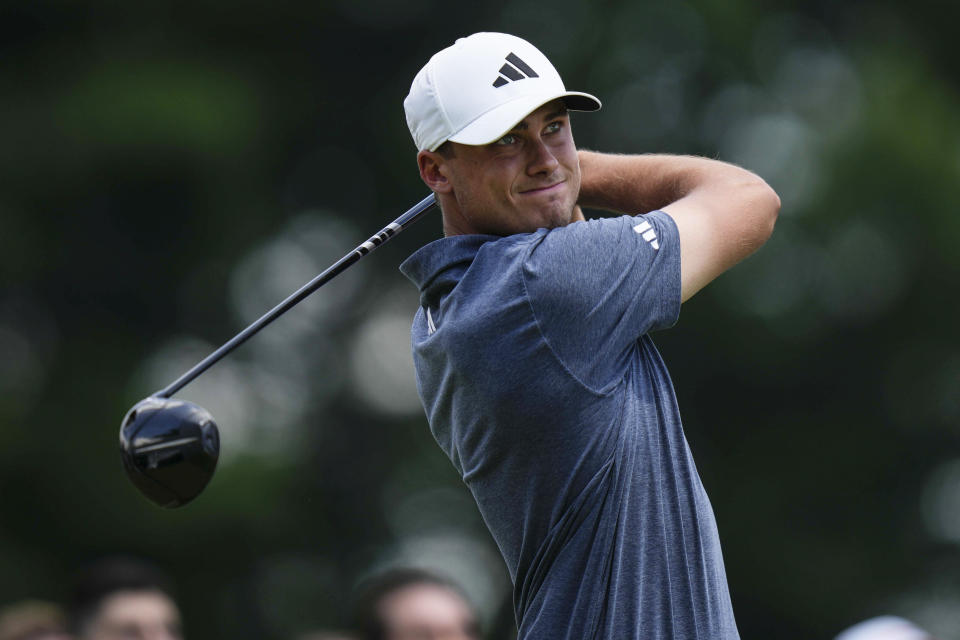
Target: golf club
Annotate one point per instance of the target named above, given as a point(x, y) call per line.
point(170, 447)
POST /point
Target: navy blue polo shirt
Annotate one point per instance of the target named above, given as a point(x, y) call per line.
point(541, 384)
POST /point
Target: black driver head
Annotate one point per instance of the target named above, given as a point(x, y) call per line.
point(169, 449)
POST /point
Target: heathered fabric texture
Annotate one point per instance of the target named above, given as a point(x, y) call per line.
point(542, 386)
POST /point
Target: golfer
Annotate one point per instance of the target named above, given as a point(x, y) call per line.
point(532, 349)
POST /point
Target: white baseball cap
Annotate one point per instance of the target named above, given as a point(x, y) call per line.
point(477, 89)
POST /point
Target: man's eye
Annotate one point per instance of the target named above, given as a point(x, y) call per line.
point(553, 127)
point(507, 139)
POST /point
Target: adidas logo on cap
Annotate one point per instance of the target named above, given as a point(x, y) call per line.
point(514, 69)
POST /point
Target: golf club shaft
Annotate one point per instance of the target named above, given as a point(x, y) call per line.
point(409, 217)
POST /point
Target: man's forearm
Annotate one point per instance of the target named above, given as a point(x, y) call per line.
point(641, 183)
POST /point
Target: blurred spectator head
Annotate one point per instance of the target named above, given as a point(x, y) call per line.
point(885, 628)
point(33, 620)
point(124, 599)
point(413, 604)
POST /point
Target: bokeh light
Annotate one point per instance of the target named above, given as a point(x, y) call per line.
point(381, 361)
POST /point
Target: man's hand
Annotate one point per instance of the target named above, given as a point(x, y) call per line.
point(723, 213)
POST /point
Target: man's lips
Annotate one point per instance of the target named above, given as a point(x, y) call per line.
point(545, 189)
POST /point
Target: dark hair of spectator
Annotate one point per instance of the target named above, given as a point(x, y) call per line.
point(108, 576)
point(373, 591)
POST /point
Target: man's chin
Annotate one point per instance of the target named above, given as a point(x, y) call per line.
point(559, 215)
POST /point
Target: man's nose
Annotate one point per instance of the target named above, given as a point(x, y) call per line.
point(542, 159)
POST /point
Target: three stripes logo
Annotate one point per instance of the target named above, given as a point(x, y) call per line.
point(512, 70)
point(645, 229)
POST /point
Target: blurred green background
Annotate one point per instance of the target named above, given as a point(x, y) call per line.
point(170, 170)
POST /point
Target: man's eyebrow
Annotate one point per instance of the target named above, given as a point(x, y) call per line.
point(523, 126)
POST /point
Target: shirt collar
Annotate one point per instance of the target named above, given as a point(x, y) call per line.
point(437, 267)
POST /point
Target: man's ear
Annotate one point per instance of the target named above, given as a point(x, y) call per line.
point(432, 171)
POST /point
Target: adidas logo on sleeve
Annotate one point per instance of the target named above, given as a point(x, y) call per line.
point(646, 230)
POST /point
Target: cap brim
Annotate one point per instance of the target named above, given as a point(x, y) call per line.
point(492, 125)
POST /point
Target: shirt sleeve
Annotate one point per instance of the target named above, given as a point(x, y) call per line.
point(597, 286)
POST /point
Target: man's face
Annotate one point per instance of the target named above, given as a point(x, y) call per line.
point(135, 615)
point(528, 179)
point(427, 612)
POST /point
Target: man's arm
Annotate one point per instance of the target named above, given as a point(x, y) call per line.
point(724, 213)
